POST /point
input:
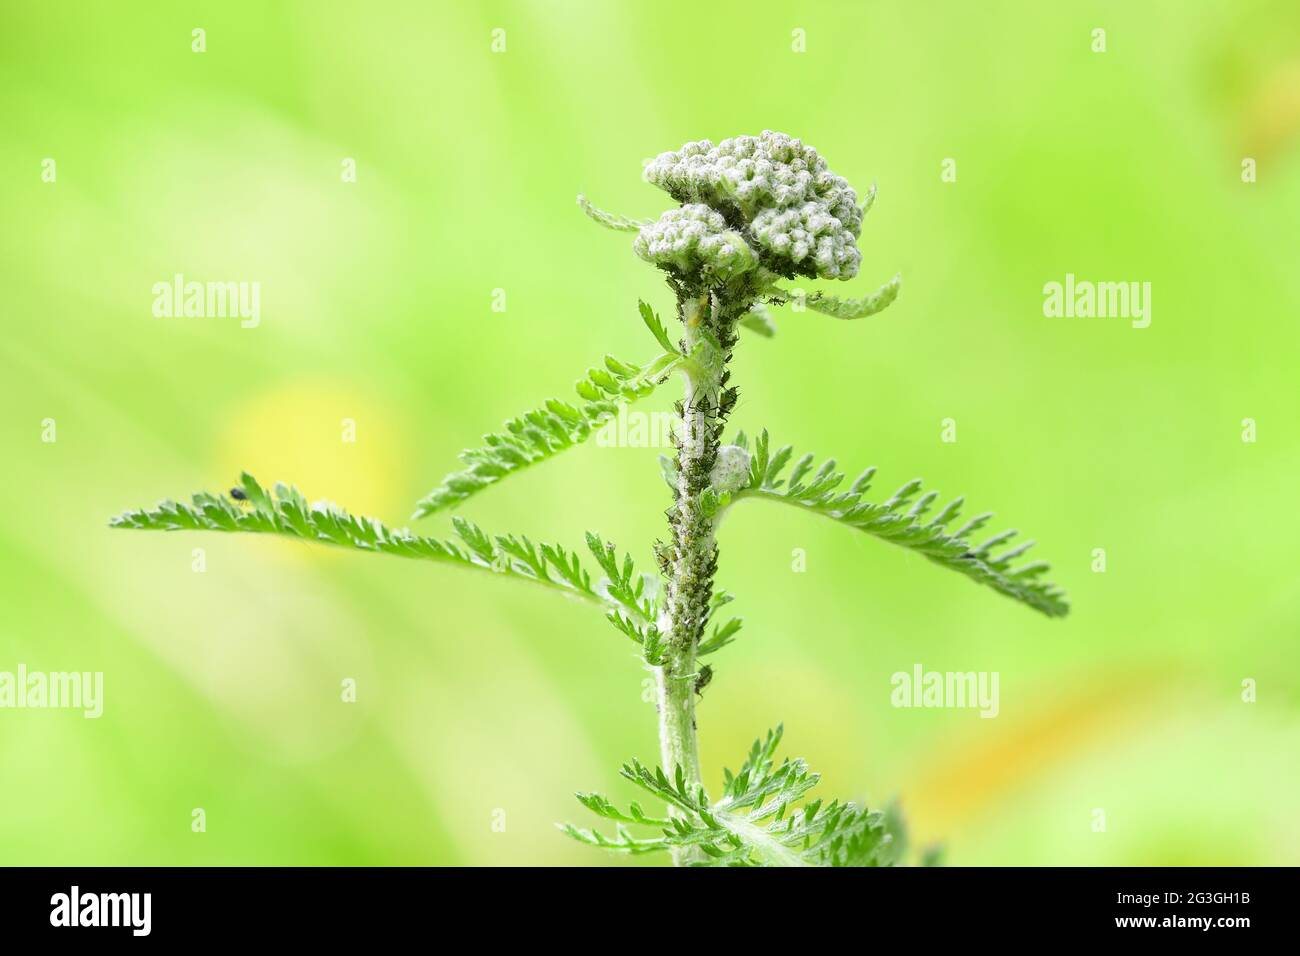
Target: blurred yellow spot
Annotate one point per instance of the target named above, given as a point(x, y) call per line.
point(1271, 118)
point(1024, 751)
point(332, 442)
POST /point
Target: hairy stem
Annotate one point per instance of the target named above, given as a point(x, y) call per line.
point(691, 559)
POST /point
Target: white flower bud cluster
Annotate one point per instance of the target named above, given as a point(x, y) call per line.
point(798, 232)
point(692, 237)
point(800, 212)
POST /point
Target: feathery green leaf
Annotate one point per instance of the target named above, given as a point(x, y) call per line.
point(900, 520)
point(542, 433)
point(759, 319)
point(723, 634)
point(868, 200)
point(760, 820)
point(611, 220)
point(839, 308)
point(656, 327)
point(286, 513)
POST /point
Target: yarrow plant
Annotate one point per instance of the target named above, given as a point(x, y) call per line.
point(750, 212)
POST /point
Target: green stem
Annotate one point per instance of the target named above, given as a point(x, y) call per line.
point(690, 563)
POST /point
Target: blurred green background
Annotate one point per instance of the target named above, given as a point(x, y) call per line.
point(474, 696)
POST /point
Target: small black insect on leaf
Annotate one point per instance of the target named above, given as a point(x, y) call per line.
point(238, 494)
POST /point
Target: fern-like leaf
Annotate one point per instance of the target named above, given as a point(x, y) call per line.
point(633, 596)
point(656, 327)
point(839, 308)
point(285, 512)
point(542, 433)
point(901, 519)
point(761, 819)
point(868, 200)
point(759, 319)
point(610, 220)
